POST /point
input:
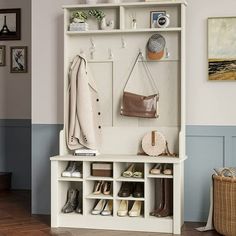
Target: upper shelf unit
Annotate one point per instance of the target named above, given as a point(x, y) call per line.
point(123, 15)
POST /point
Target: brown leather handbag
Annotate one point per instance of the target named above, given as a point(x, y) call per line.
point(136, 105)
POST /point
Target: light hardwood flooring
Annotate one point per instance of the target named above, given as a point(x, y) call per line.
point(16, 220)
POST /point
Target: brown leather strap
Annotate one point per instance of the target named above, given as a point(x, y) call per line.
point(167, 152)
point(153, 138)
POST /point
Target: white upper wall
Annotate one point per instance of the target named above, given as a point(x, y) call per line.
point(15, 89)
point(208, 103)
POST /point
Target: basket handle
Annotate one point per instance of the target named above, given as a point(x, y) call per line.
point(225, 170)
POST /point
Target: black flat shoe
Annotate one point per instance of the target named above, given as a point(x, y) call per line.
point(125, 190)
point(138, 190)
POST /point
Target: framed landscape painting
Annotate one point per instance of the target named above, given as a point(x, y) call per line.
point(222, 48)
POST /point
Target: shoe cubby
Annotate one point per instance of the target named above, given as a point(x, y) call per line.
point(130, 190)
point(74, 174)
point(160, 198)
point(63, 188)
point(129, 208)
point(159, 170)
point(99, 189)
point(129, 172)
point(99, 207)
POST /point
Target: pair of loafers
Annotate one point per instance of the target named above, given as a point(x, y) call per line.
point(135, 189)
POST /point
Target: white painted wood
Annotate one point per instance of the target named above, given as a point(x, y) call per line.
point(54, 194)
point(117, 159)
point(123, 30)
point(126, 4)
point(121, 136)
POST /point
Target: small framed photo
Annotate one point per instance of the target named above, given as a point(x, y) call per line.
point(18, 59)
point(2, 55)
point(154, 16)
point(10, 24)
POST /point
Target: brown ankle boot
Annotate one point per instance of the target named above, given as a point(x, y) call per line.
point(167, 210)
point(159, 197)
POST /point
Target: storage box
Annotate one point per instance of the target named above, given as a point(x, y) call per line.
point(5, 181)
point(102, 169)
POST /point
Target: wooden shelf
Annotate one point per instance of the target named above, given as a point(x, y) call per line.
point(118, 31)
point(125, 4)
point(131, 198)
point(125, 179)
point(119, 158)
point(97, 178)
point(161, 176)
point(70, 179)
point(99, 196)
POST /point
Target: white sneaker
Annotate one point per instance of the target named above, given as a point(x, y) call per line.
point(77, 172)
point(69, 169)
point(123, 208)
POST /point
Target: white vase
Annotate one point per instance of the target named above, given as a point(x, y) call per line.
point(103, 24)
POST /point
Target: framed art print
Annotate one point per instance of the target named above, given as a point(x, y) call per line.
point(2, 55)
point(18, 60)
point(222, 49)
point(10, 24)
point(154, 16)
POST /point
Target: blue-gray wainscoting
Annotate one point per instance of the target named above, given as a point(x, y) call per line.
point(45, 143)
point(15, 151)
point(207, 147)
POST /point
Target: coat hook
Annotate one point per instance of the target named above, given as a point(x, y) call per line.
point(92, 43)
point(110, 54)
point(123, 43)
point(167, 53)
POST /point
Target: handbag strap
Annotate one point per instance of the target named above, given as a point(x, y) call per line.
point(146, 70)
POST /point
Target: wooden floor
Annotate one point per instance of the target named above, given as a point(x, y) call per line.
point(16, 220)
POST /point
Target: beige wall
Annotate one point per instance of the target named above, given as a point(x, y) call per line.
point(15, 89)
point(208, 103)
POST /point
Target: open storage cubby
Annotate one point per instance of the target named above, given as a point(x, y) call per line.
point(110, 56)
point(123, 13)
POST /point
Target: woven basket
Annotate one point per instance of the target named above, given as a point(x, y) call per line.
point(225, 204)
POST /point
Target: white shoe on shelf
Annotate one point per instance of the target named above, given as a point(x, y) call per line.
point(136, 209)
point(123, 208)
point(69, 169)
point(77, 172)
point(99, 207)
point(107, 211)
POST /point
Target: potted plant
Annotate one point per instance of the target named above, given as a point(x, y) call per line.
point(79, 17)
point(100, 17)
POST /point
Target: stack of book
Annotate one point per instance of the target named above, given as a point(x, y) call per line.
point(80, 26)
point(86, 152)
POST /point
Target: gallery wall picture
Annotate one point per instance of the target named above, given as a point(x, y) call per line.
point(10, 24)
point(222, 49)
point(18, 59)
point(2, 55)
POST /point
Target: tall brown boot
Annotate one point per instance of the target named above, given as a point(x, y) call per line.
point(167, 210)
point(159, 197)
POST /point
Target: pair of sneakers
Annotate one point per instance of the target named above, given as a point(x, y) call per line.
point(73, 169)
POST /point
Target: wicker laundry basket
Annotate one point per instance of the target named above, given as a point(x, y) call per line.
point(225, 204)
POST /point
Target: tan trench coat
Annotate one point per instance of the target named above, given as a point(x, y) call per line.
point(82, 120)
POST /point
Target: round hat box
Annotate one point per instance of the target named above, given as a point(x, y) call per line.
point(154, 143)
